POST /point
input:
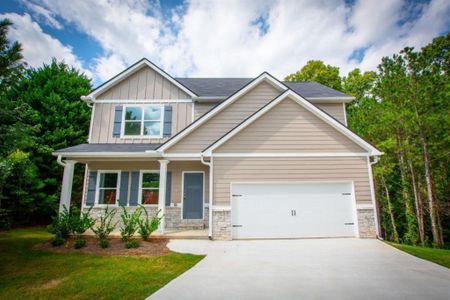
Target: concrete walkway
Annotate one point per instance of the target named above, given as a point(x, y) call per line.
point(305, 269)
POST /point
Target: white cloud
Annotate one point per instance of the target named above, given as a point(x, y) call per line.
point(223, 38)
point(39, 47)
point(41, 13)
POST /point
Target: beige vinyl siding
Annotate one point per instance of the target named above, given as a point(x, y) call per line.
point(103, 122)
point(336, 110)
point(201, 108)
point(225, 120)
point(288, 127)
point(290, 169)
point(144, 84)
point(176, 167)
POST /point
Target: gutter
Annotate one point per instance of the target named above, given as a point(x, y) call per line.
point(209, 164)
point(88, 100)
point(376, 213)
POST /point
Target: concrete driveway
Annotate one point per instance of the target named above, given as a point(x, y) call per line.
point(305, 269)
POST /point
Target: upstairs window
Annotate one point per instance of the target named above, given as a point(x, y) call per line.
point(143, 121)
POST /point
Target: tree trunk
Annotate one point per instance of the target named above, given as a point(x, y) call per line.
point(434, 211)
point(411, 232)
point(418, 204)
point(389, 209)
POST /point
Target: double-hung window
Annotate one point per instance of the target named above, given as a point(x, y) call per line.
point(108, 187)
point(143, 121)
point(149, 187)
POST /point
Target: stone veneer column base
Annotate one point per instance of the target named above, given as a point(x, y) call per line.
point(366, 223)
point(221, 227)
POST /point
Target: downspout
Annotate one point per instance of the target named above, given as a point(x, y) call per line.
point(60, 162)
point(372, 186)
point(209, 164)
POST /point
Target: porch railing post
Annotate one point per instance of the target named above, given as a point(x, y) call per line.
point(162, 193)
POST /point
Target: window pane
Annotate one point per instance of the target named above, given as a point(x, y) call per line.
point(133, 113)
point(152, 113)
point(152, 128)
point(108, 180)
point(132, 128)
point(150, 180)
point(150, 196)
point(107, 196)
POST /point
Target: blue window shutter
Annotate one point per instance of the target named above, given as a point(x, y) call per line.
point(134, 191)
point(123, 188)
point(167, 128)
point(117, 121)
point(92, 185)
point(168, 188)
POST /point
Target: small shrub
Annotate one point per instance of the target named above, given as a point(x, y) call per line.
point(57, 241)
point(146, 225)
point(129, 223)
point(80, 222)
point(60, 226)
point(103, 243)
point(79, 243)
point(105, 226)
point(132, 244)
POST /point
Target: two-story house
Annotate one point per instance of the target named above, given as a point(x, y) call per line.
point(241, 157)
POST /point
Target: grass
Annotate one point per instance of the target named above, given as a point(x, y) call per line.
point(29, 274)
point(438, 256)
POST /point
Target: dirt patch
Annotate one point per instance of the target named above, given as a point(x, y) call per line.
point(51, 284)
point(152, 247)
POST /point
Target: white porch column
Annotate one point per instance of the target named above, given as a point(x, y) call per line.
point(66, 188)
point(162, 193)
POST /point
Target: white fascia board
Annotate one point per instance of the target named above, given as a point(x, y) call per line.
point(307, 105)
point(263, 77)
point(134, 68)
point(143, 101)
point(292, 154)
point(107, 154)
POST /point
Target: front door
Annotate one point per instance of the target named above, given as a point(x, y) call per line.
point(192, 195)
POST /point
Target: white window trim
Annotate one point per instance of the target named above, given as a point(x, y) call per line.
point(182, 193)
point(97, 188)
point(141, 173)
point(143, 106)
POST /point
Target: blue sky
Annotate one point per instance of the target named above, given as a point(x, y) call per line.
point(221, 38)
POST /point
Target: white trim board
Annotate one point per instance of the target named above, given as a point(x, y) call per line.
point(308, 106)
point(134, 68)
point(141, 101)
point(263, 77)
point(292, 154)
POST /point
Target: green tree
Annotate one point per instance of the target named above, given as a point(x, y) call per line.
point(316, 70)
point(52, 93)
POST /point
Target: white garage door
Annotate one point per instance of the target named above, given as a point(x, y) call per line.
point(274, 210)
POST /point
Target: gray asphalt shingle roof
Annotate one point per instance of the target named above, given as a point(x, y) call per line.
point(224, 87)
point(109, 148)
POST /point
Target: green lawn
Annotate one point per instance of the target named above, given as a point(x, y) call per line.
point(30, 274)
point(439, 256)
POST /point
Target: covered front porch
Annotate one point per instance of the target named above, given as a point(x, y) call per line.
point(177, 188)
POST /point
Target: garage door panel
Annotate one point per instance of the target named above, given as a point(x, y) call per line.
point(274, 210)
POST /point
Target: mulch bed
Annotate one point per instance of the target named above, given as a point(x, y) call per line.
point(152, 247)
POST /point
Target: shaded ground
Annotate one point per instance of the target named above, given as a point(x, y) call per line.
point(153, 247)
point(26, 273)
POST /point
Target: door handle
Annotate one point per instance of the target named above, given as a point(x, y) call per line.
point(293, 212)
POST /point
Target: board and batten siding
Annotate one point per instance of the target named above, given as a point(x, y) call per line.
point(288, 127)
point(200, 108)
point(336, 110)
point(289, 169)
point(144, 84)
point(103, 122)
point(175, 167)
point(225, 120)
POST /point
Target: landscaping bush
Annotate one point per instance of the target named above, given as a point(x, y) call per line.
point(132, 244)
point(103, 243)
point(148, 225)
point(105, 227)
point(79, 243)
point(78, 224)
point(60, 227)
point(130, 223)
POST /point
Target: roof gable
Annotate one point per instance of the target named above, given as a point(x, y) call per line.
point(264, 77)
point(132, 70)
point(305, 104)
